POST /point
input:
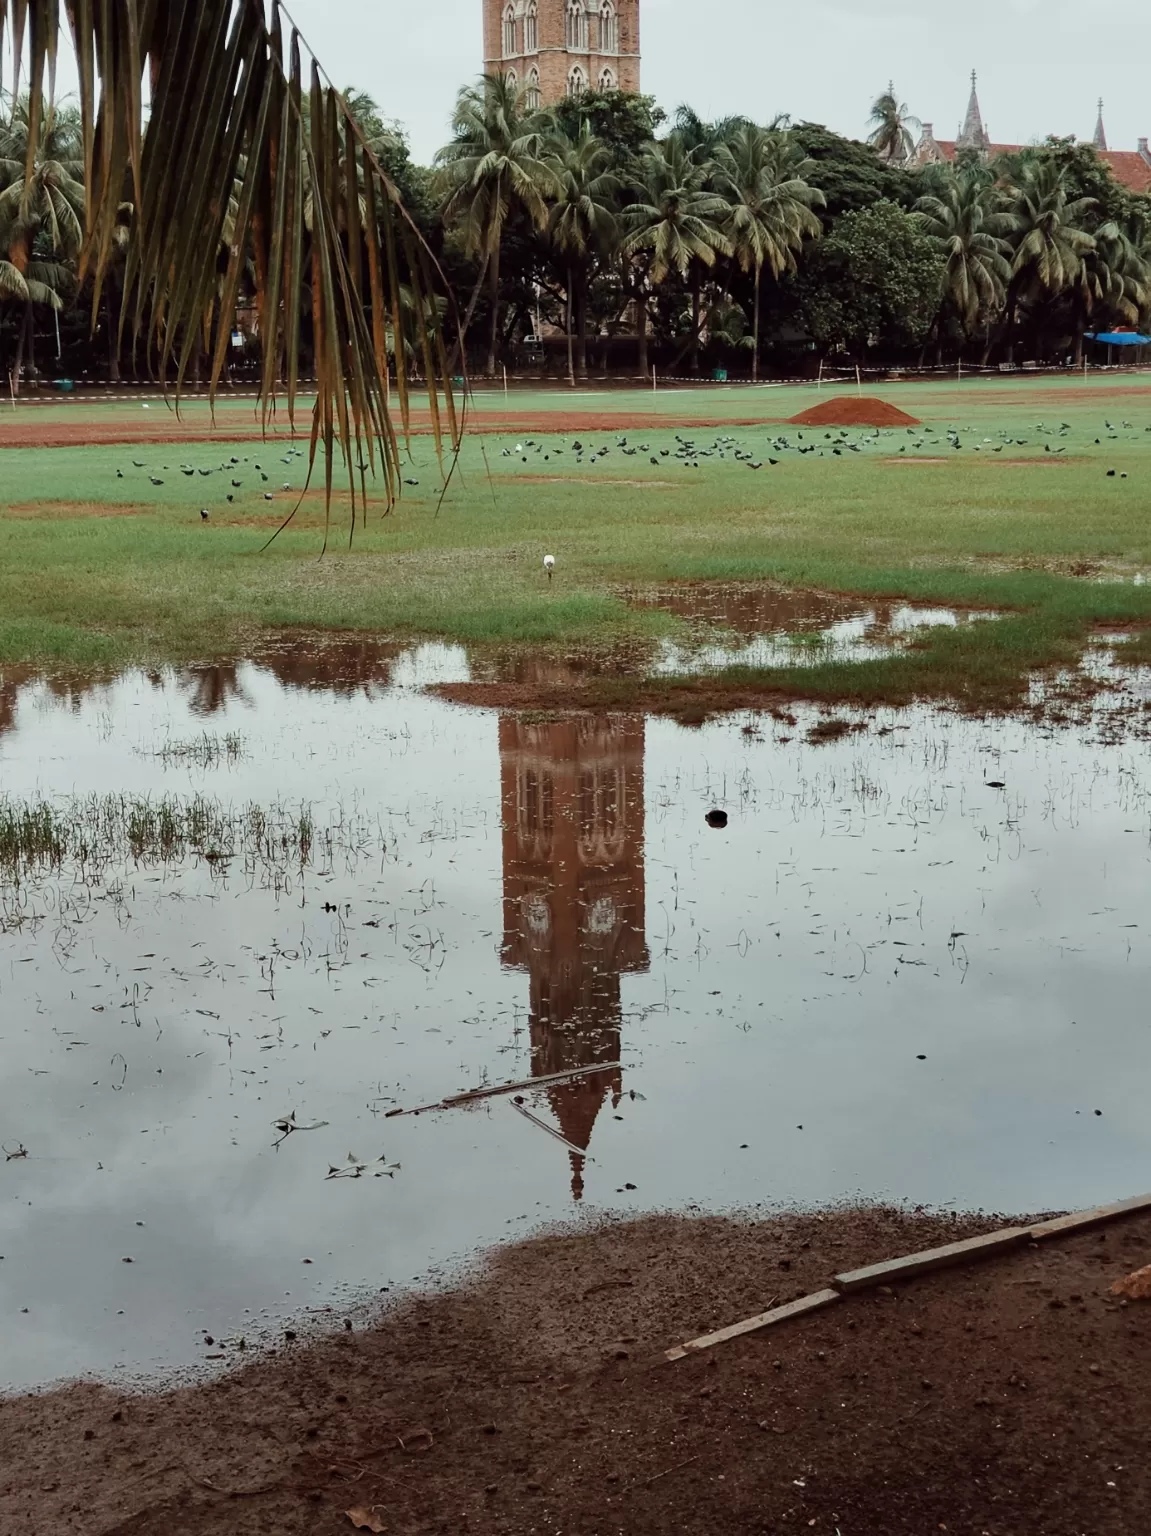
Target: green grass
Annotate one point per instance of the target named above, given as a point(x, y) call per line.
point(1047, 540)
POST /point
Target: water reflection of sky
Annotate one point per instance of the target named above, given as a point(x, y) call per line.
point(531, 896)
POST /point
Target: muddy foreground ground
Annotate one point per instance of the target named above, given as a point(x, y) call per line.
point(1009, 1399)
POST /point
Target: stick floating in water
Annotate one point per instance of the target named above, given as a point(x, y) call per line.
point(473, 1095)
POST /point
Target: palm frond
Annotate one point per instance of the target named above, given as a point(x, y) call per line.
point(223, 160)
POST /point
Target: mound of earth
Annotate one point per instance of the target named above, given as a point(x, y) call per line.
point(844, 411)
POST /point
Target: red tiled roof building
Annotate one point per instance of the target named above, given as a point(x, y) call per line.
point(1131, 168)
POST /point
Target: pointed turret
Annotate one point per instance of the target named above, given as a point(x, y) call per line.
point(1100, 140)
point(973, 135)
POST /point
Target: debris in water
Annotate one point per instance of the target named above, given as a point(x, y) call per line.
point(716, 819)
point(287, 1124)
point(355, 1169)
point(518, 1106)
point(473, 1095)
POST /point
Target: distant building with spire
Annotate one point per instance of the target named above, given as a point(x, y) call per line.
point(1132, 169)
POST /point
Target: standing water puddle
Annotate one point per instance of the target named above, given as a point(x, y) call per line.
point(883, 979)
point(765, 626)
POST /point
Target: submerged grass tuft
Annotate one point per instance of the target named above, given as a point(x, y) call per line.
point(91, 836)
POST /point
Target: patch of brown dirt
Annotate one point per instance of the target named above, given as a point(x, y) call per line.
point(27, 432)
point(993, 461)
point(1007, 1398)
point(32, 510)
point(847, 411)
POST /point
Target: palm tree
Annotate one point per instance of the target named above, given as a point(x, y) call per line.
point(677, 221)
point(226, 88)
point(1050, 242)
point(41, 207)
point(496, 164)
point(582, 221)
point(1116, 275)
point(968, 227)
point(893, 134)
point(762, 175)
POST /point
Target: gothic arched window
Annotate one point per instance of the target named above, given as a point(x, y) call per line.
point(532, 29)
point(510, 32)
point(608, 28)
point(607, 80)
point(534, 99)
point(513, 79)
point(577, 83)
point(577, 28)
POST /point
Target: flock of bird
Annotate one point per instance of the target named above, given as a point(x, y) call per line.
point(692, 453)
point(232, 468)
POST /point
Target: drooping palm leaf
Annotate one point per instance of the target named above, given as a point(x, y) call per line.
point(230, 151)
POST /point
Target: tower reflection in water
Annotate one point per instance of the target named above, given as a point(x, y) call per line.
point(573, 808)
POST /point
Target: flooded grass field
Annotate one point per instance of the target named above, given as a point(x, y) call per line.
point(249, 911)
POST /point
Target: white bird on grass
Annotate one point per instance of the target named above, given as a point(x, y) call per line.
point(549, 565)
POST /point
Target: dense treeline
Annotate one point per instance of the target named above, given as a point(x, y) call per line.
point(599, 235)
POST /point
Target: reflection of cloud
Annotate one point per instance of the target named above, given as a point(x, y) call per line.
point(573, 807)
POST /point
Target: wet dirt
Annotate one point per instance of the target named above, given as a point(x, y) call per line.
point(1007, 1399)
point(940, 980)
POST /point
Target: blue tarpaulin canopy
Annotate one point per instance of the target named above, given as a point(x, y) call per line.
point(1120, 338)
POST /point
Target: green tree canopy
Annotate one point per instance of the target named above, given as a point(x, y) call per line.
point(874, 281)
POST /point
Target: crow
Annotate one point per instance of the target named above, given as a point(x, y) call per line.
point(154, 480)
point(204, 514)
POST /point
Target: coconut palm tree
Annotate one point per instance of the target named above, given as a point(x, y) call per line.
point(496, 164)
point(676, 221)
point(1114, 276)
point(582, 222)
point(966, 223)
point(763, 177)
point(1049, 238)
point(173, 101)
point(41, 207)
point(894, 129)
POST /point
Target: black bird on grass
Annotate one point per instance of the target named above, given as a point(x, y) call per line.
point(204, 514)
point(137, 464)
point(155, 480)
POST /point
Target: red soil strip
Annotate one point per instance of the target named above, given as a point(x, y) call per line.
point(33, 511)
point(845, 411)
point(1009, 1398)
point(29, 433)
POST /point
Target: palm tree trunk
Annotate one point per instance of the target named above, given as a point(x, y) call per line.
point(469, 316)
point(113, 341)
point(755, 326)
point(495, 295)
point(581, 324)
point(18, 360)
point(641, 323)
point(696, 306)
point(570, 321)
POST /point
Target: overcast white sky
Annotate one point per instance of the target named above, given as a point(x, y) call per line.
point(1041, 66)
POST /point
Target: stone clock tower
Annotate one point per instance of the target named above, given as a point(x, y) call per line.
point(558, 48)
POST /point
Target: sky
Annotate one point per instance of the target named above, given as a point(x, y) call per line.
point(825, 61)
point(820, 60)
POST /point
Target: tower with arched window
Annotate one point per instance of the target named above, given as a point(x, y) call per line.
point(557, 48)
